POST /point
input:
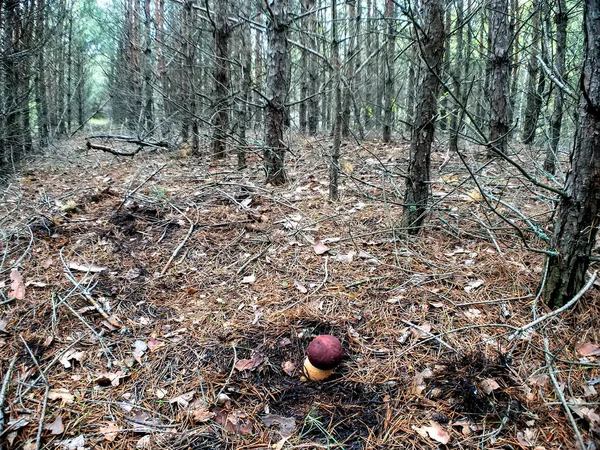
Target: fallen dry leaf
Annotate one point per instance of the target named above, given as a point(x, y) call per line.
point(435, 432)
point(300, 287)
point(62, 394)
point(139, 348)
point(70, 356)
point(55, 427)
point(286, 425)
point(289, 368)
point(154, 345)
point(472, 285)
point(489, 385)
point(319, 247)
point(73, 444)
point(110, 431)
point(17, 286)
point(201, 414)
point(3, 324)
point(588, 349)
point(235, 422)
point(183, 400)
point(250, 364)
point(250, 279)
point(108, 378)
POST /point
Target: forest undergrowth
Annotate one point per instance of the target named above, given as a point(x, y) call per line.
point(165, 302)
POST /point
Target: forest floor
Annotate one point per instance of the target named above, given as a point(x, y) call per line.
point(168, 303)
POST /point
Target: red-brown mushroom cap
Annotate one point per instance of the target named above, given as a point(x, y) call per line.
point(325, 352)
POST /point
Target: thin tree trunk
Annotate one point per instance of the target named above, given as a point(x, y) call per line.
point(533, 73)
point(313, 102)
point(561, 19)
point(221, 79)
point(350, 60)
point(41, 101)
point(443, 120)
point(277, 87)
point(457, 77)
point(431, 43)
point(148, 90)
point(390, 55)
point(337, 124)
point(500, 68)
point(246, 87)
point(576, 223)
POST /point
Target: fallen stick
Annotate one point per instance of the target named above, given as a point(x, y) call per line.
point(177, 250)
point(3, 395)
point(560, 394)
point(110, 150)
point(566, 306)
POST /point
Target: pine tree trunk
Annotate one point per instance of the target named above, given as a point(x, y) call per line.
point(561, 19)
point(499, 73)
point(533, 99)
point(41, 101)
point(390, 55)
point(443, 120)
point(221, 79)
point(432, 53)
point(337, 108)
point(576, 223)
point(277, 87)
point(147, 68)
point(457, 76)
point(313, 102)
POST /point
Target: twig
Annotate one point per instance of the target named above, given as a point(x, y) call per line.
point(137, 188)
point(324, 278)
point(38, 441)
point(111, 150)
point(3, 394)
point(432, 336)
point(254, 258)
point(551, 314)
point(231, 372)
point(178, 249)
point(560, 394)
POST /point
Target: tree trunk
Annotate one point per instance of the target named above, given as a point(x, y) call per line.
point(431, 41)
point(413, 70)
point(533, 100)
point(576, 223)
point(350, 86)
point(313, 102)
point(148, 90)
point(337, 109)
point(221, 79)
point(561, 19)
point(277, 87)
point(457, 76)
point(41, 101)
point(500, 67)
point(390, 55)
point(443, 120)
point(246, 83)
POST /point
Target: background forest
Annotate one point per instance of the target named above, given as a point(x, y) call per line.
point(194, 189)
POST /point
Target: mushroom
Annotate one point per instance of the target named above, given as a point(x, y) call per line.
point(323, 355)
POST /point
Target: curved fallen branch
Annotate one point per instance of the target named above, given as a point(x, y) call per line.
point(110, 150)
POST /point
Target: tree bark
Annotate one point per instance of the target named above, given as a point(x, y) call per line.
point(390, 55)
point(277, 87)
point(147, 67)
point(337, 108)
point(457, 76)
point(534, 96)
point(431, 43)
point(561, 19)
point(576, 223)
point(221, 79)
point(499, 73)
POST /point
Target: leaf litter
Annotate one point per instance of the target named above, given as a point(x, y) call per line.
point(185, 370)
